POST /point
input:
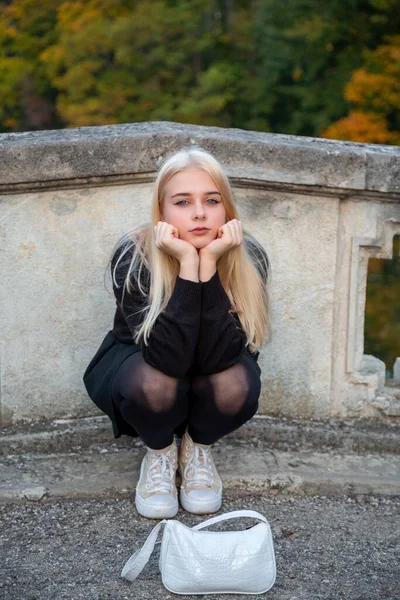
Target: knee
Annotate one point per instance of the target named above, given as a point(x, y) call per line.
point(242, 394)
point(159, 396)
point(139, 386)
point(160, 392)
point(244, 400)
point(233, 391)
point(147, 388)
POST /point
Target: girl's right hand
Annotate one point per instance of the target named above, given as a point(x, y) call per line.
point(167, 239)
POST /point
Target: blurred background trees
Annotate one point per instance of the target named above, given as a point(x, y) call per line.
point(323, 69)
point(382, 308)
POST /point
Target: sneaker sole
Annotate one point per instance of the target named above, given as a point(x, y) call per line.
point(197, 508)
point(156, 513)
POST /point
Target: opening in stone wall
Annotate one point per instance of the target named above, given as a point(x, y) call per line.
point(382, 309)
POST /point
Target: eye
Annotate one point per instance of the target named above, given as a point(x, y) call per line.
point(212, 199)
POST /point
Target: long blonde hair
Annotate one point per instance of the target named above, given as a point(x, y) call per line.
point(244, 271)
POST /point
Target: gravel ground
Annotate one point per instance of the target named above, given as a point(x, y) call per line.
point(326, 548)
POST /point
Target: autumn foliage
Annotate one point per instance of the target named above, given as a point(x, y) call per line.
point(328, 69)
point(374, 92)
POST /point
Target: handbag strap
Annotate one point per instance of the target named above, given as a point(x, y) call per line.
point(234, 514)
point(136, 563)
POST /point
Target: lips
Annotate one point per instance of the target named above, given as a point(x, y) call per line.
point(200, 229)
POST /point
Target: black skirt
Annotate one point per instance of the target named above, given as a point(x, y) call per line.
point(98, 379)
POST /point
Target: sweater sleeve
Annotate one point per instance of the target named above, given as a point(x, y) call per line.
point(172, 342)
point(221, 341)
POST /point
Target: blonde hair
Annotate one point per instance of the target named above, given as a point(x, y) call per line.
point(243, 270)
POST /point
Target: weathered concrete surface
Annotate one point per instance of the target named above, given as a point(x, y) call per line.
point(57, 278)
point(348, 437)
point(106, 471)
point(321, 209)
point(248, 462)
point(41, 157)
point(326, 549)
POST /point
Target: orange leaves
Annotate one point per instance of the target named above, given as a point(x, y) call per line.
point(362, 127)
point(374, 90)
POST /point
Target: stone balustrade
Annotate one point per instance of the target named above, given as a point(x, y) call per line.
point(321, 209)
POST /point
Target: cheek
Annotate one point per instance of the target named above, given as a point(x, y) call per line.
point(222, 219)
point(180, 223)
point(174, 218)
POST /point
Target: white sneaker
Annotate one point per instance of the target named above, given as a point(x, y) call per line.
point(201, 489)
point(156, 494)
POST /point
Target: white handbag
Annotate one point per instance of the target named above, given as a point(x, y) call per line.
point(210, 562)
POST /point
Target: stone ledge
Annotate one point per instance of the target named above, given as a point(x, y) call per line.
point(93, 154)
point(350, 437)
point(245, 469)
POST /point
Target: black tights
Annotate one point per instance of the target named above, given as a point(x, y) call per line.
point(155, 404)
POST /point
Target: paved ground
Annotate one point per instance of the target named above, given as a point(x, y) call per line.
point(331, 492)
point(326, 548)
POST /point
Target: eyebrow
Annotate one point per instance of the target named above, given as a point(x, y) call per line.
point(188, 194)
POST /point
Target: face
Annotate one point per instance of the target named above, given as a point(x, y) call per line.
point(193, 200)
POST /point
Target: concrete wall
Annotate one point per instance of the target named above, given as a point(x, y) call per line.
point(320, 208)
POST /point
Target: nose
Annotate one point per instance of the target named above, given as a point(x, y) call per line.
point(199, 211)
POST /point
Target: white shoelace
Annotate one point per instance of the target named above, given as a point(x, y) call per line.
point(161, 472)
point(202, 474)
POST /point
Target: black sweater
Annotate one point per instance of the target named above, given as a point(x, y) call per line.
point(195, 327)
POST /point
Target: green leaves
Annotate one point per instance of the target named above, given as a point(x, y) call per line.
point(304, 69)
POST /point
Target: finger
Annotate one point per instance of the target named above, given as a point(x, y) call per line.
point(232, 232)
point(171, 231)
point(166, 231)
point(160, 232)
point(238, 226)
point(238, 231)
point(223, 230)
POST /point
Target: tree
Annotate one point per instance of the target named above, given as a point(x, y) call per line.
point(27, 27)
point(305, 54)
point(374, 92)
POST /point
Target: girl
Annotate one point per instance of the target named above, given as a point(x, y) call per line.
point(192, 311)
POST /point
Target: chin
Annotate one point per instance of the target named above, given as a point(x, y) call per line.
point(200, 244)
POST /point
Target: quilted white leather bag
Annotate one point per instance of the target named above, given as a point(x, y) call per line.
point(210, 562)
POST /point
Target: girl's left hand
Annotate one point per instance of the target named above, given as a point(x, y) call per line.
point(229, 236)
